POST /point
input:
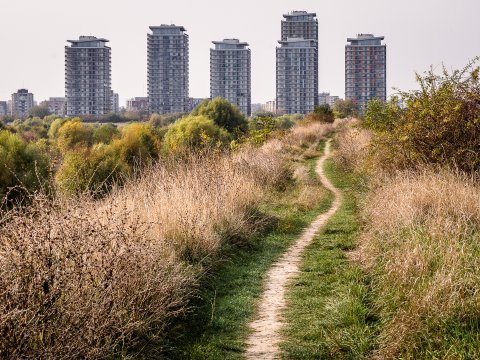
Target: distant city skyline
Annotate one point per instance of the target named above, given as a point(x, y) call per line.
point(418, 34)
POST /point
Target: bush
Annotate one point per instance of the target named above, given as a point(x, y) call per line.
point(345, 109)
point(93, 171)
point(105, 134)
point(159, 121)
point(440, 124)
point(138, 146)
point(194, 132)
point(324, 113)
point(224, 114)
point(24, 167)
point(74, 134)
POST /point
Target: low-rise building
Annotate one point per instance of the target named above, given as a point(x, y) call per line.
point(22, 102)
point(3, 108)
point(138, 104)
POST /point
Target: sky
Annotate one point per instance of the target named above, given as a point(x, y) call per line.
point(418, 34)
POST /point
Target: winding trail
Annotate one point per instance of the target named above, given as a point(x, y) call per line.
point(263, 343)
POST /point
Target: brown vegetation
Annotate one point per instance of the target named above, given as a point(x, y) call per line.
point(420, 248)
point(86, 278)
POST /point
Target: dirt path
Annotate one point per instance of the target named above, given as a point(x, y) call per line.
point(264, 341)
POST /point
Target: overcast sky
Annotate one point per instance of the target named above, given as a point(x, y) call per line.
point(418, 33)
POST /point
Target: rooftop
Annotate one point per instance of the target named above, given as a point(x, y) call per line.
point(164, 26)
point(230, 42)
point(361, 37)
point(87, 39)
point(298, 13)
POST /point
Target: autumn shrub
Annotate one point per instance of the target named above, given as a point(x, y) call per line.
point(24, 168)
point(74, 134)
point(91, 170)
point(138, 146)
point(439, 124)
point(194, 132)
point(105, 134)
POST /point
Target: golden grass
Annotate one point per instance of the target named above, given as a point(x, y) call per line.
point(90, 278)
point(82, 278)
point(423, 245)
point(420, 247)
point(352, 147)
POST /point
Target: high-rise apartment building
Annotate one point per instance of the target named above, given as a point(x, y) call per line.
point(230, 73)
point(297, 64)
point(297, 76)
point(365, 69)
point(21, 103)
point(168, 56)
point(3, 108)
point(300, 24)
point(88, 77)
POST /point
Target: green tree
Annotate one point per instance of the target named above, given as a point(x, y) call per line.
point(39, 111)
point(194, 132)
point(159, 121)
point(23, 167)
point(105, 134)
point(224, 114)
point(324, 113)
point(345, 108)
point(74, 134)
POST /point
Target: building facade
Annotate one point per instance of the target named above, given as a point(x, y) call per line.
point(115, 102)
point(21, 103)
point(365, 69)
point(297, 76)
point(297, 64)
point(168, 69)
point(3, 108)
point(56, 105)
point(138, 104)
point(324, 98)
point(270, 106)
point(88, 77)
point(230, 73)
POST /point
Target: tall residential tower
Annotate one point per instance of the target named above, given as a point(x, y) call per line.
point(87, 77)
point(297, 64)
point(230, 73)
point(167, 69)
point(365, 69)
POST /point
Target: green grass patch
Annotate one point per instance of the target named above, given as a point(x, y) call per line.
point(328, 316)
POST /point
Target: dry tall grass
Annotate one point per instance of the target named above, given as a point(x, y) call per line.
point(352, 147)
point(88, 279)
point(423, 247)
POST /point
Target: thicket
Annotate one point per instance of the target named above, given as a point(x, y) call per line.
point(418, 164)
point(438, 124)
